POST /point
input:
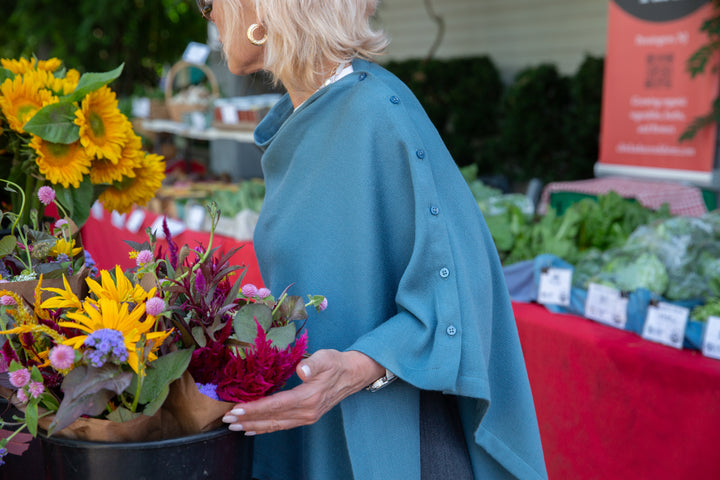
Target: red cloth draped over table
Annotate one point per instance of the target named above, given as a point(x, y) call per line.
point(612, 405)
point(106, 244)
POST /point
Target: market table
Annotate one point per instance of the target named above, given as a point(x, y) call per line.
point(610, 404)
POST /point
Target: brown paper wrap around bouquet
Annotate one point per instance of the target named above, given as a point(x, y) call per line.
point(185, 412)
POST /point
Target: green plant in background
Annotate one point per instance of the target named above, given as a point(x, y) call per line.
point(94, 35)
point(698, 63)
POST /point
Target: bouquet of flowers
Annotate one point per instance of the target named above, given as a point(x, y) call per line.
point(63, 142)
point(178, 329)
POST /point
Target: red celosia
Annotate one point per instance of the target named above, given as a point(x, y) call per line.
point(264, 369)
point(207, 363)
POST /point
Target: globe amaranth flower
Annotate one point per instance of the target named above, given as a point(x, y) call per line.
point(20, 378)
point(22, 395)
point(323, 305)
point(154, 306)
point(249, 290)
point(263, 293)
point(62, 357)
point(36, 389)
point(108, 345)
point(7, 300)
point(143, 257)
point(61, 223)
point(46, 195)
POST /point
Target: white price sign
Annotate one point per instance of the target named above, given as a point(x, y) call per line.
point(711, 338)
point(606, 305)
point(555, 286)
point(665, 323)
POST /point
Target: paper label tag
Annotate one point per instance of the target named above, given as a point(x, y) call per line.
point(606, 305)
point(665, 323)
point(117, 219)
point(554, 287)
point(711, 338)
point(197, 120)
point(195, 217)
point(196, 52)
point(141, 107)
point(228, 113)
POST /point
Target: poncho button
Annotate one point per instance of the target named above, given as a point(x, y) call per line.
point(444, 272)
point(363, 76)
point(395, 99)
point(434, 210)
point(420, 154)
point(451, 330)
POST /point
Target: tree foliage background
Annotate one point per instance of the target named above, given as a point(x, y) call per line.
point(99, 35)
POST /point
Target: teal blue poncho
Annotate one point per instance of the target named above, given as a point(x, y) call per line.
point(365, 205)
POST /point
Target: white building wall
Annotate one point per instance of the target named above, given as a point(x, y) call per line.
point(514, 33)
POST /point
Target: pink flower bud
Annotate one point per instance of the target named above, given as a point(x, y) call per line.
point(143, 257)
point(7, 300)
point(19, 378)
point(46, 195)
point(62, 357)
point(263, 293)
point(154, 306)
point(36, 389)
point(249, 290)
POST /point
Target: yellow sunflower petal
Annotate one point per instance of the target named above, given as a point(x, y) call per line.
point(61, 163)
point(103, 128)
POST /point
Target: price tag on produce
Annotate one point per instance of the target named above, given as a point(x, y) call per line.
point(606, 305)
point(229, 114)
point(711, 338)
point(555, 285)
point(665, 323)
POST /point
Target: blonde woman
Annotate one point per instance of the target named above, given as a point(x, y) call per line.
point(365, 205)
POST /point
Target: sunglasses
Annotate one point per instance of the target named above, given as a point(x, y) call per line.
point(205, 7)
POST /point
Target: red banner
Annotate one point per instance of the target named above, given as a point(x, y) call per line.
point(649, 98)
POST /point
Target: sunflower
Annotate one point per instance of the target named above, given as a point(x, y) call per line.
point(21, 97)
point(117, 316)
point(105, 171)
point(138, 190)
point(103, 128)
point(64, 297)
point(61, 163)
point(23, 65)
point(121, 289)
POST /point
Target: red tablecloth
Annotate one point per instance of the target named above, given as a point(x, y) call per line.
point(612, 405)
point(106, 244)
point(682, 199)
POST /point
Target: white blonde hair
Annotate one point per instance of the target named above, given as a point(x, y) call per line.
point(304, 36)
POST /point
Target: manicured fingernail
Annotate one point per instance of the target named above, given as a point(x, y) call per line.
point(235, 427)
point(249, 434)
point(306, 370)
point(229, 419)
point(237, 411)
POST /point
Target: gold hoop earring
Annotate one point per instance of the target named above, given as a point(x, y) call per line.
point(251, 35)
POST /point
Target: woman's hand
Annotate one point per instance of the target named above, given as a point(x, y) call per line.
point(328, 377)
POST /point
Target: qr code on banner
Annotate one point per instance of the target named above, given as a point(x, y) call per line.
point(659, 71)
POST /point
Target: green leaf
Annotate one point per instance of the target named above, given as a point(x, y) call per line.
point(199, 336)
point(152, 407)
point(5, 74)
point(161, 373)
point(87, 391)
point(122, 414)
point(282, 336)
point(77, 201)
point(89, 82)
point(7, 245)
point(244, 321)
point(55, 123)
point(31, 417)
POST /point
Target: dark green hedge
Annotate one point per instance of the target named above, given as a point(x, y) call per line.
point(542, 125)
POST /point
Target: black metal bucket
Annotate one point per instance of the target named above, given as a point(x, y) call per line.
point(219, 454)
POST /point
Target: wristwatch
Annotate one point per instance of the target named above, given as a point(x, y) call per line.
point(382, 382)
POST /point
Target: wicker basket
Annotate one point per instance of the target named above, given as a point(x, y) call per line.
point(176, 109)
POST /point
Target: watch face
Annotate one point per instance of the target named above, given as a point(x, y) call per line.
point(660, 10)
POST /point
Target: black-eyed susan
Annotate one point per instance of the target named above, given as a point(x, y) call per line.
point(64, 297)
point(104, 171)
point(103, 128)
point(61, 163)
point(21, 97)
point(110, 314)
point(120, 289)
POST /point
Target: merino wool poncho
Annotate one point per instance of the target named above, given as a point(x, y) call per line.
point(365, 205)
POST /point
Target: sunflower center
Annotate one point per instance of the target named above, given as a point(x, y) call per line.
point(96, 124)
point(25, 112)
point(58, 150)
